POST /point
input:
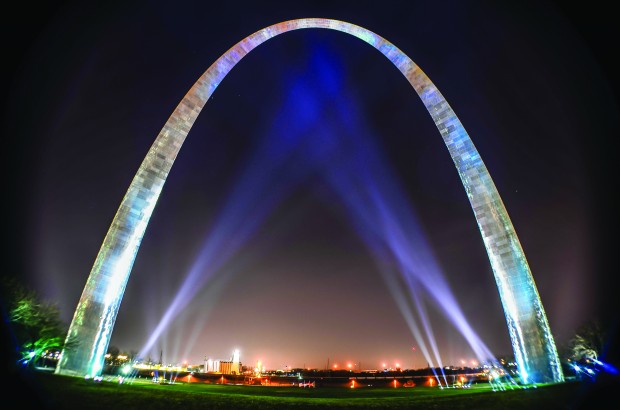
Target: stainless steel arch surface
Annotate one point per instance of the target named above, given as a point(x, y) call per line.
point(94, 318)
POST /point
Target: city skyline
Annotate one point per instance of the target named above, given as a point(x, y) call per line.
point(302, 266)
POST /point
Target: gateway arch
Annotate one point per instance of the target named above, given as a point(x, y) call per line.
point(93, 321)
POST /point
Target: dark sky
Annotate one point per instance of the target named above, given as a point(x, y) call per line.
point(89, 88)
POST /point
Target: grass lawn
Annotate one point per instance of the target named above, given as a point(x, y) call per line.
point(62, 392)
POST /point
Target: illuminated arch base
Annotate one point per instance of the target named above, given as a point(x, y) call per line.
point(94, 318)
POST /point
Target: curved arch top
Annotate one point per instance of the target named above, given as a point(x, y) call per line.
point(94, 318)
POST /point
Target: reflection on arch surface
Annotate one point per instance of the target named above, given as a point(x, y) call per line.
point(94, 318)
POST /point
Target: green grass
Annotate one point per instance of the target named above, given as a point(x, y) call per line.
point(62, 392)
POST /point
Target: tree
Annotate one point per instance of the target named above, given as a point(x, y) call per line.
point(114, 351)
point(35, 324)
point(588, 342)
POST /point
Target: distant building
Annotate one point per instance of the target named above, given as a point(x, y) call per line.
point(226, 367)
point(232, 366)
point(235, 366)
point(212, 366)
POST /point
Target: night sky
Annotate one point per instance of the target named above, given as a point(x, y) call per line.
point(89, 88)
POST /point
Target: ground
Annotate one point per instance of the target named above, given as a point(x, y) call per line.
point(62, 392)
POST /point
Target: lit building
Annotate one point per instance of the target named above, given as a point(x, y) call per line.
point(232, 366)
point(226, 367)
point(212, 366)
